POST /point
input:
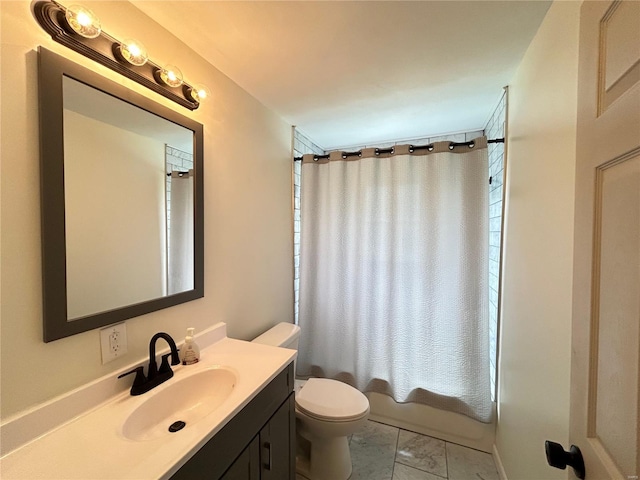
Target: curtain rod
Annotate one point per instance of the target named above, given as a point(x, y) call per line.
point(412, 148)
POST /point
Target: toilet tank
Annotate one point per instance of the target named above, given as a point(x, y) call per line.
point(284, 335)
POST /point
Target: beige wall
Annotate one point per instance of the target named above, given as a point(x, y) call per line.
point(535, 351)
point(248, 241)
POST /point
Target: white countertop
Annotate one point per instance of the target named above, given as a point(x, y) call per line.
point(92, 446)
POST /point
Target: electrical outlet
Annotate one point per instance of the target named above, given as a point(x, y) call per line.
point(113, 342)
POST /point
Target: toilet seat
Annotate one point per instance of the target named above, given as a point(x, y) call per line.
point(331, 401)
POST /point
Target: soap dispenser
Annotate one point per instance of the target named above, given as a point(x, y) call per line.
point(190, 352)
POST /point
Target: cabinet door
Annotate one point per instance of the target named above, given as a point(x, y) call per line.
point(277, 444)
point(247, 465)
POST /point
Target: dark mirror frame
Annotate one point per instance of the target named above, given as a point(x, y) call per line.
point(52, 68)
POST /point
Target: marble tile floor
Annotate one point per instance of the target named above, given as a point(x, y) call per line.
point(383, 452)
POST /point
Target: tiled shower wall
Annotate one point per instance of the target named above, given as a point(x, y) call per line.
point(176, 160)
point(179, 161)
point(495, 129)
point(301, 145)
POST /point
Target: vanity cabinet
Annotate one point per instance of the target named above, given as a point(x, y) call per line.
point(276, 439)
point(257, 444)
point(247, 465)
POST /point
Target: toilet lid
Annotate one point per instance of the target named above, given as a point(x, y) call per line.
point(331, 400)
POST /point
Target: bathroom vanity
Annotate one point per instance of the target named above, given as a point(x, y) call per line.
point(237, 403)
point(258, 443)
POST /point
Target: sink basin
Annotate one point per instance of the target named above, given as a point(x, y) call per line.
point(185, 400)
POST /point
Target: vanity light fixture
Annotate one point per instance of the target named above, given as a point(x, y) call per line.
point(78, 28)
point(133, 52)
point(83, 21)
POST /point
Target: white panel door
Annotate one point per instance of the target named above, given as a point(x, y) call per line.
point(605, 376)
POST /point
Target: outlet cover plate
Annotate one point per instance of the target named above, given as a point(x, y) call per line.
point(113, 342)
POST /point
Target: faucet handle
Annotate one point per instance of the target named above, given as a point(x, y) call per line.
point(139, 380)
point(175, 359)
point(164, 364)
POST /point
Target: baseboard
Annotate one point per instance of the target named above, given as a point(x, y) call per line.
point(498, 462)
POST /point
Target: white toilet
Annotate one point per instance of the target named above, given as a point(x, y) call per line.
point(327, 412)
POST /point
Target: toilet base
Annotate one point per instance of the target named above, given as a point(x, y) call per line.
point(324, 458)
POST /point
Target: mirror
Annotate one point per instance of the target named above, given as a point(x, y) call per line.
point(122, 201)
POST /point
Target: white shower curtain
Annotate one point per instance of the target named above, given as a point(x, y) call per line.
point(394, 274)
point(181, 247)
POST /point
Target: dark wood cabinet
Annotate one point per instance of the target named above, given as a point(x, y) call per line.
point(257, 444)
point(277, 459)
point(247, 465)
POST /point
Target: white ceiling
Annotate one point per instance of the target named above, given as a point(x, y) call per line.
point(362, 72)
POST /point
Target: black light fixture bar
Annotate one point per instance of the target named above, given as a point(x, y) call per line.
point(104, 49)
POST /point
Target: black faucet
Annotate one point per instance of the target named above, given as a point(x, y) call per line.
point(155, 376)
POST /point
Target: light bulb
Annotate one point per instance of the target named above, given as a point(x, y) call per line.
point(199, 92)
point(83, 21)
point(133, 52)
point(171, 76)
